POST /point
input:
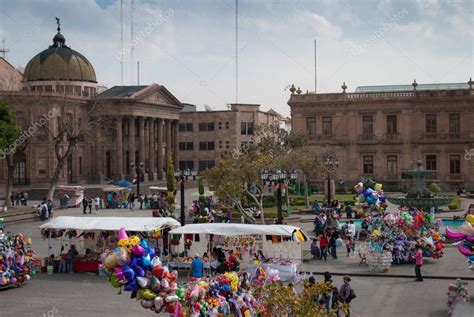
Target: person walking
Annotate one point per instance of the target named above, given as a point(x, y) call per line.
point(141, 200)
point(323, 245)
point(49, 205)
point(131, 200)
point(197, 267)
point(419, 263)
point(85, 203)
point(333, 243)
point(346, 293)
point(89, 203)
point(97, 204)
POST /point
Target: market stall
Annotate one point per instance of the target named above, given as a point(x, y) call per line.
point(116, 196)
point(96, 234)
point(270, 247)
point(71, 196)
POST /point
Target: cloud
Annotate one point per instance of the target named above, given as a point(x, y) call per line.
point(428, 7)
point(320, 25)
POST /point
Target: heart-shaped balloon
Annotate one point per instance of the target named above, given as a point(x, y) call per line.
point(165, 285)
point(156, 261)
point(159, 302)
point(147, 303)
point(155, 284)
point(143, 282)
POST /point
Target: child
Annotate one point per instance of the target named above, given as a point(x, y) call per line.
point(349, 246)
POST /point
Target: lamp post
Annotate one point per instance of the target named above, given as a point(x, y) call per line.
point(181, 176)
point(278, 177)
point(139, 172)
point(331, 164)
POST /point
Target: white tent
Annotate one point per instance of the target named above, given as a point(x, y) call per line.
point(141, 224)
point(236, 229)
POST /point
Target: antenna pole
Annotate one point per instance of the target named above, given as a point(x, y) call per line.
point(121, 42)
point(138, 73)
point(315, 69)
point(236, 51)
point(131, 30)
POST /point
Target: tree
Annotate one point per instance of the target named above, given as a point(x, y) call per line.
point(236, 179)
point(170, 180)
point(9, 140)
point(70, 132)
point(202, 199)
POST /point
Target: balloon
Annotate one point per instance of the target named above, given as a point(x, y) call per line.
point(148, 294)
point(155, 284)
point(110, 262)
point(146, 263)
point(128, 273)
point(359, 187)
point(173, 287)
point(114, 281)
point(171, 298)
point(122, 234)
point(378, 187)
point(156, 261)
point(123, 257)
point(138, 250)
point(118, 272)
point(143, 282)
point(470, 219)
point(147, 304)
point(139, 270)
point(159, 302)
point(131, 286)
point(165, 285)
point(158, 271)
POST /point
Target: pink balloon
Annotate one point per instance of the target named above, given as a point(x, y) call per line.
point(122, 234)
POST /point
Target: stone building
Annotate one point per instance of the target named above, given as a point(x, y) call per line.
point(378, 131)
point(204, 136)
point(143, 120)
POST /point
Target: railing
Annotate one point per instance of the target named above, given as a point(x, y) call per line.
point(367, 138)
point(380, 95)
point(392, 137)
point(21, 181)
point(442, 136)
point(455, 176)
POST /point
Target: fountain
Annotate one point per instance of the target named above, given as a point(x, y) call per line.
point(418, 195)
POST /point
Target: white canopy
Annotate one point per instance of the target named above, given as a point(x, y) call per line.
point(236, 229)
point(111, 223)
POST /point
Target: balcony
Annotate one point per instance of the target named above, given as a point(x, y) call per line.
point(392, 177)
point(331, 139)
point(442, 137)
point(392, 138)
point(455, 177)
point(367, 139)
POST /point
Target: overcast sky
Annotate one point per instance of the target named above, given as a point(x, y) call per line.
point(190, 48)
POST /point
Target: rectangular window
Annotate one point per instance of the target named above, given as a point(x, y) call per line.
point(311, 126)
point(327, 125)
point(186, 164)
point(391, 124)
point(392, 166)
point(431, 123)
point(206, 146)
point(246, 128)
point(204, 165)
point(185, 146)
point(185, 127)
point(367, 124)
point(454, 124)
point(455, 164)
point(431, 163)
point(206, 126)
point(368, 164)
point(80, 165)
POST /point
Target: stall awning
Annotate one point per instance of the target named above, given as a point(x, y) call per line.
point(237, 229)
point(141, 224)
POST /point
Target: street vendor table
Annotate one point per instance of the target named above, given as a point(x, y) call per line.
point(186, 266)
point(86, 266)
point(287, 271)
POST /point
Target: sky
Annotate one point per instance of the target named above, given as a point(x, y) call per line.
point(189, 46)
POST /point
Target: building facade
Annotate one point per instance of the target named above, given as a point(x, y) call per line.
point(204, 136)
point(142, 121)
point(379, 131)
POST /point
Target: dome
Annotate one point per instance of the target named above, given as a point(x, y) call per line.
point(59, 62)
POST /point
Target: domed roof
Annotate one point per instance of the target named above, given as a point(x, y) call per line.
point(59, 62)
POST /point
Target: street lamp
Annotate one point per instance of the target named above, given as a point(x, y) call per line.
point(139, 168)
point(331, 164)
point(278, 177)
point(181, 176)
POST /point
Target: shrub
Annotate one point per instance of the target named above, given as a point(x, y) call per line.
point(269, 201)
point(434, 188)
point(297, 201)
point(452, 207)
point(455, 202)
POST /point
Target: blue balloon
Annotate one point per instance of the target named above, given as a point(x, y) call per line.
point(128, 273)
point(139, 270)
point(134, 260)
point(146, 263)
point(143, 244)
point(131, 286)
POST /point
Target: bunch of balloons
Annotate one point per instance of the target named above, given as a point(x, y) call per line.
point(134, 266)
point(220, 296)
point(370, 195)
point(16, 260)
point(400, 233)
point(464, 238)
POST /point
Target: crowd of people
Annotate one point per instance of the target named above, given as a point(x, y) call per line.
point(19, 199)
point(45, 210)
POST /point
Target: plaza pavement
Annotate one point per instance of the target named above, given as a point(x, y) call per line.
point(90, 295)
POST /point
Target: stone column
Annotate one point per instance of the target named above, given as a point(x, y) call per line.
point(131, 139)
point(175, 144)
point(168, 137)
point(151, 148)
point(159, 132)
point(118, 148)
point(141, 138)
